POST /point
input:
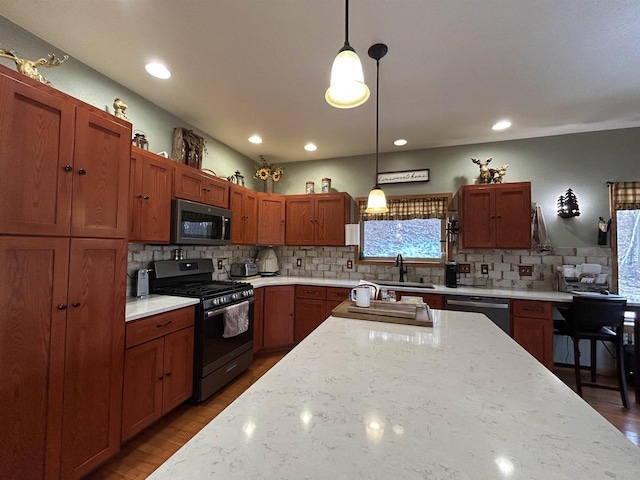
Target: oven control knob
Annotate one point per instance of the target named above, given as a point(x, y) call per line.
point(216, 301)
point(235, 296)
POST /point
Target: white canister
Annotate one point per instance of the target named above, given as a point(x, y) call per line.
point(362, 295)
point(309, 187)
point(326, 185)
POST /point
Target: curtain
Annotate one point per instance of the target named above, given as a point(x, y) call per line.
point(408, 209)
point(625, 195)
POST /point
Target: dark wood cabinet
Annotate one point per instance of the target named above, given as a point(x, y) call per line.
point(158, 368)
point(434, 300)
point(150, 184)
point(66, 165)
point(192, 184)
point(496, 215)
point(317, 219)
point(258, 320)
point(335, 296)
point(271, 211)
point(243, 202)
point(278, 317)
point(310, 310)
point(532, 328)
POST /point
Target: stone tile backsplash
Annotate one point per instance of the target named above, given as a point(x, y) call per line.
point(331, 262)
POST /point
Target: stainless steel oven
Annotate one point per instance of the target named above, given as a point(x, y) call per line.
point(217, 359)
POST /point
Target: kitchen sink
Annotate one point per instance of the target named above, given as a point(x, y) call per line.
point(385, 283)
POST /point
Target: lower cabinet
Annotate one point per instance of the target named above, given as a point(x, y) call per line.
point(278, 317)
point(258, 319)
point(313, 306)
point(158, 368)
point(434, 300)
point(532, 328)
point(335, 296)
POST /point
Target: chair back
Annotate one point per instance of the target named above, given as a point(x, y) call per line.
point(589, 314)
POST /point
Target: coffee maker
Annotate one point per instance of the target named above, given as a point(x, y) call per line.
point(451, 274)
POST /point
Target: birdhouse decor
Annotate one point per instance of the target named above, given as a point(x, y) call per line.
point(568, 205)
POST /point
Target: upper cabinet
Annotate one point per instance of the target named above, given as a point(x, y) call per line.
point(243, 202)
point(65, 165)
point(149, 197)
point(192, 184)
point(271, 208)
point(495, 215)
point(317, 219)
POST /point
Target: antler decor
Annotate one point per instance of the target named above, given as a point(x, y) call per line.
point(30, 67)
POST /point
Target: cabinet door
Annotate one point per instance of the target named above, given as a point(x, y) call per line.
point(278, 316)
point(236, 205)
point(188, 183)
point(299, 220)
point(155, 217)
point(270, 219)
point(32, 331)
point(178, 368)
point(250, 210)
point(535, 335)
point(142, 391)
point(258, 319)
point(329, 219)
point(101, 177)
point(308, 315)
point(135, 195)
point(91, 416)
point(36, 160)
point(216, 192)
point(513, 215)
point(477, 217)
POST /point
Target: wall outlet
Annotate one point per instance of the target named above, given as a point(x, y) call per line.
point(464, 267)
point(349, 263)
point(525, 270)
point(484, 269)
point(299, 262)
point(220, 263)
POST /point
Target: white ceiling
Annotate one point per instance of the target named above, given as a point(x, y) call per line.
point(454, 67)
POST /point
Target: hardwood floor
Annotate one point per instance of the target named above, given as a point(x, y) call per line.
point(155, 445)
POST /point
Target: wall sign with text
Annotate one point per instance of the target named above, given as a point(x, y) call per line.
point(407, 176)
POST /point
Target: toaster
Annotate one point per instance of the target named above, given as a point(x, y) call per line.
point(243, 269)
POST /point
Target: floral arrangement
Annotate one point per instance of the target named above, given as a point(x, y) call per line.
point(265, 170)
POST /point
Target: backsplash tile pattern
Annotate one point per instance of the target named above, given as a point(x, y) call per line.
point(331, 262)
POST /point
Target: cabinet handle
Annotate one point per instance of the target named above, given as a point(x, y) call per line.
point(204, 189)
point(139, 195)
point(167, 323)
point(146, 197)
point(62, 306)
point(82, 171)
point(168, 374)
point(68, 168)
point(76, 304)
point(161, 378)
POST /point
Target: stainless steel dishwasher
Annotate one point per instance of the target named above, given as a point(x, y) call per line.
point(497, 309)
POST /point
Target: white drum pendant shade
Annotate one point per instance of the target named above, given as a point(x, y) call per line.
point(347, 88)
point(377, 202)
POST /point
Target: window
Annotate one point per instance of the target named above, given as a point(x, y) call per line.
point(625, 206)
point(414, 227)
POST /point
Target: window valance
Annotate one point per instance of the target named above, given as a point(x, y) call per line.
point(625, 195)
point(409, 208)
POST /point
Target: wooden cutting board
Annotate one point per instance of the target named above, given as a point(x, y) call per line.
point(402, 313)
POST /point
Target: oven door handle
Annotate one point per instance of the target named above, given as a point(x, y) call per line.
point(213, 313)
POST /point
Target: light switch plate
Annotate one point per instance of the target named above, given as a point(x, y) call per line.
point(299, 262)
point(220, 264)
point(484, 269)
point(349, 263)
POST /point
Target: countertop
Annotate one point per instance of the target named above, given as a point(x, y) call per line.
point(137, 308)
point(359, 399)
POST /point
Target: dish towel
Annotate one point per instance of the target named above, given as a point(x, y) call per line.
point(236, 319)
point(541, 241)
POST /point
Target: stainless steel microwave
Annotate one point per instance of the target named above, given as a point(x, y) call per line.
point(195, 223)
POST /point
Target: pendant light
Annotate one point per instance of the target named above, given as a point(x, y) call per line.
point(377, 202)
point(347, 88)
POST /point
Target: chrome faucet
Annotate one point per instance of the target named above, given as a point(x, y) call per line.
point(400, 263)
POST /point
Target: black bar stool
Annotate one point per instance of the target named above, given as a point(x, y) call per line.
point(593, 319)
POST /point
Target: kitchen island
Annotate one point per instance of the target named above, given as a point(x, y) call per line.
point(359, 399)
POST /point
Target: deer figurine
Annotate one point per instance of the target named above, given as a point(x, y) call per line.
point(498, 173)
point(485, 174)
point(30, 67)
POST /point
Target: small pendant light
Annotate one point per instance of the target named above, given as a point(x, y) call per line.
point(347, 88)
point(377, 202)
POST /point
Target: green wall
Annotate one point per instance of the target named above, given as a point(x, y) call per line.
point(583, 162)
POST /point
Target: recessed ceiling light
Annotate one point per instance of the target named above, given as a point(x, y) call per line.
point(401, 142)
point(158, 70)
point(310, 147)
point(501, 125)
point(255, 139)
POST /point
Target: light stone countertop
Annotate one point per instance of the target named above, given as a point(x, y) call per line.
point(137, 308)
point(370, 400)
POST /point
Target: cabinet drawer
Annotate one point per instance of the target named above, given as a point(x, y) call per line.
point(307, 291)
point(336, 294)
point(145, 329)
point(531, 308)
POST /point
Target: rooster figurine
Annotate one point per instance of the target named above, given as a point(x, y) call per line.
point(30, 67)
point(119, 107)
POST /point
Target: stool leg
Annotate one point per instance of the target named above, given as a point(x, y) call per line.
point(593, 361)
point(576, 364)
point(622, 378)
